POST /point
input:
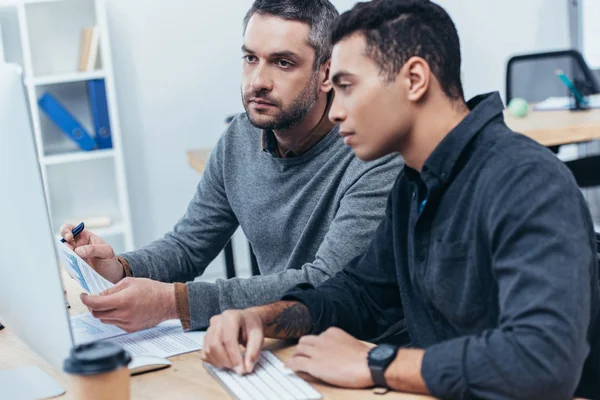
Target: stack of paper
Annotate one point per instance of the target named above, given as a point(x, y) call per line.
point(165, 340)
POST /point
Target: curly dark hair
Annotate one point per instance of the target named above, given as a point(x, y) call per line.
point(396, 30)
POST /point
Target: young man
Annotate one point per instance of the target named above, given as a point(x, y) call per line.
point(487, 252)
point(281, 172)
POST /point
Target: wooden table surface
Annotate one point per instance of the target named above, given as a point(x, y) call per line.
point(185, 379)
point(553, 128)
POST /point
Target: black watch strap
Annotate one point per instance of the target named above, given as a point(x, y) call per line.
point(378, 375)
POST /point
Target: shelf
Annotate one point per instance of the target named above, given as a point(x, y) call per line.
point(79, 156)
point(65, 78)
point(38, 1)
point(114, 229)
point(13, 3)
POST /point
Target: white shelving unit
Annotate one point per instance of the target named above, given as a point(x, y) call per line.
point(43, 36)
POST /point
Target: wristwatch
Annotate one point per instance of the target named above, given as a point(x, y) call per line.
point(379, 358)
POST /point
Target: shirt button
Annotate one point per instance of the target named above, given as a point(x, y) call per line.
point(444, 175)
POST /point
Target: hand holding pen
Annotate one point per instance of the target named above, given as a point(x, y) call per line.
point(94, 251)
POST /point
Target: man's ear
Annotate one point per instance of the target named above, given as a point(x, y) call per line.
point(417, 76)
point(324, 78)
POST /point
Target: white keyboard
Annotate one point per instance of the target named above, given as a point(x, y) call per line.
point(270, 380)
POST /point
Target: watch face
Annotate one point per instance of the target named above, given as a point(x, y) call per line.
point(383, 352)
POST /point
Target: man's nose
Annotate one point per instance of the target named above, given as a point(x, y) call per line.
point(261, 79)
point(337, 114)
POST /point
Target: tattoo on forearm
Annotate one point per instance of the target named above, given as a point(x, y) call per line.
point(292, 322)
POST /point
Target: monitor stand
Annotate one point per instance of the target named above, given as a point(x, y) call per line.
point(28, 383)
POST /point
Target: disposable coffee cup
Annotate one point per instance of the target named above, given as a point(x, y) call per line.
point(98, 371)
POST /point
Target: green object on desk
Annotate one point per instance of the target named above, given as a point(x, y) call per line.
point(518, 107)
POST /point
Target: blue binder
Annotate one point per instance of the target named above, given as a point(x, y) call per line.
point(99, 108)
point(66, 122)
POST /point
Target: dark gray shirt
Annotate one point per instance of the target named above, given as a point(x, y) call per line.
point(488, 257)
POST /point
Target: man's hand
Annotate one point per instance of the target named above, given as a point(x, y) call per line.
point(224, 336)
point(134, 304)
point(94, 251)
point(334, 357)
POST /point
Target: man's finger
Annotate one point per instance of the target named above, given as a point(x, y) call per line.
point(301, 364)
point(234, 354)
point(256, 337)
point(65, 232)
point(95, 251)
point(108, 315)
point(119, 324)
point(100, 303)
point(124, 284)
point(309, 340)
point(219, 357)
point(305, 350)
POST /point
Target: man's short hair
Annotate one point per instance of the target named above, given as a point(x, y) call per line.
point(319, 15)
point(396, 30)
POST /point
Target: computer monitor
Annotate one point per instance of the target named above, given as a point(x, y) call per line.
point(31, 293)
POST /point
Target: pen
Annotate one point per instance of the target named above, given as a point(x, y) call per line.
point(76, 231)
point(561, 75)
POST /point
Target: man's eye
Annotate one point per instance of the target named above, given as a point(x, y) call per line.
point(284, 63)
point(249, 58)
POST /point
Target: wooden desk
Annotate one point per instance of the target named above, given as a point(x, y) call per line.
point(185, 379)
point(198, 158)
point(553, 128)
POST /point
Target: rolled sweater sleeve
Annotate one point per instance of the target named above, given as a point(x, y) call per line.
point(541, 240)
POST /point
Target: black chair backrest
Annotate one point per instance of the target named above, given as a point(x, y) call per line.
point(533, 76)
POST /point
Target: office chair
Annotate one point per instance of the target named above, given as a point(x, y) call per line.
point(532, 77)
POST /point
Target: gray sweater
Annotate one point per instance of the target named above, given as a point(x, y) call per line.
point(306, 217)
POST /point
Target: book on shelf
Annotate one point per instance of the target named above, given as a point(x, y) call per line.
point(99, 110)
point(66, 122)
point(90, 49)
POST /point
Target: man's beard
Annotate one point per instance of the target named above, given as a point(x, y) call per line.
point(287, 117)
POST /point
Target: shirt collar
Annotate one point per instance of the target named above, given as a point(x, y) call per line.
point(323, 127)
point(484, 108)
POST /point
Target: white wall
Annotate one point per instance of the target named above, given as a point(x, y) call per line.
point(491, 31)
point(591, 32)
point(177, 68)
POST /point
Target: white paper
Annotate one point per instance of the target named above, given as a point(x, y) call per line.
point(164, 340)
point(87, 329)
point(89, 280)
